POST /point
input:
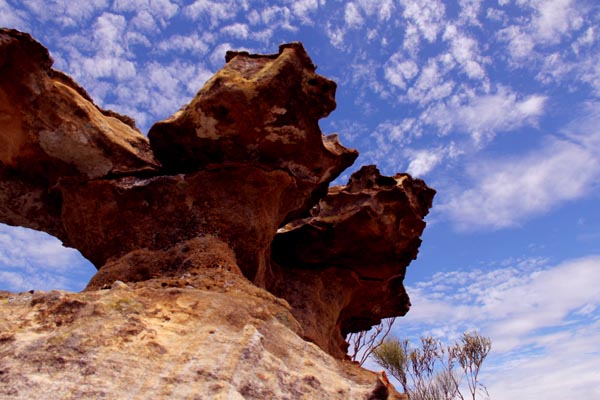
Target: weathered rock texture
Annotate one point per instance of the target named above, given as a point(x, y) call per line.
point(352, 252)
point(237, 180)
point(50, 130)
point(219, 337)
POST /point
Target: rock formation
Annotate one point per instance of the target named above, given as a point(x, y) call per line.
point(219, 337)
point(353, 251)
point(225, 201)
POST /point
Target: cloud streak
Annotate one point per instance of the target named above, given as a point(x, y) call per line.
point(507, 191)
point(539, 325)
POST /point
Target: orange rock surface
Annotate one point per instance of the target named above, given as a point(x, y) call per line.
point(235, 183)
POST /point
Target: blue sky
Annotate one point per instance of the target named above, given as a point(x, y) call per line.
point(496, 104)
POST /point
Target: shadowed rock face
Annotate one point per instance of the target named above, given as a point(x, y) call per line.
point(50, 130)
point(244, 163)
point(342, 269)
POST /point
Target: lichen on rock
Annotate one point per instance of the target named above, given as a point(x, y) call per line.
point(229, 198)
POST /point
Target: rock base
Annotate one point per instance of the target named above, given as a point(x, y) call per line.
point(206, 334)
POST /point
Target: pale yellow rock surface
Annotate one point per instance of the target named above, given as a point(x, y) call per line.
point(206, 335)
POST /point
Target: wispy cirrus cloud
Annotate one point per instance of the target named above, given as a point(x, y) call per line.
point(215, 12)
point(478, 118)
point(543, 319)
point(428, 17)
point(64, 12)
point(399, 70)
point(36, 260)
point(432, 84)
point(186, 44)
point(423, 161)
point(464, 49)
point(10, 17)
point(305, 9)
point(483, 116)
point(547, 24)
point(505, 192)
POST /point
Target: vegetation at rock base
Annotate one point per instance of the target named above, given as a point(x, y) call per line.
point(433, 371)
point(364, 343)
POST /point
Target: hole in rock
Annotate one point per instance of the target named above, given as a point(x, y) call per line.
point(35, 260)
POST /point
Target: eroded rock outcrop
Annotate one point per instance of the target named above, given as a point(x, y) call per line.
point(51, 130)
point(219, 337)
point(353, 253)
point(235, 183)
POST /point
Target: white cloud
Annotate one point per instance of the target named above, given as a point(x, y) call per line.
point(11, 18)
point(391, 152)
point(237, 30)
point(464, 49)
point(583, 66)
point(101, 54)
point(384, 9)
point(520, 44)
point(423, 161)
point(469, 11)
point(109, 30)
point(411, 41)
point(398, 70)
point(352, 16)
point(494, 14)
point(20, 246)
point(254, 17)
point(335, 35)
point(217, 57)
point(144, 21)
point(387, 139)
point(427, 16)
point(566, 369)
point(302, 9)
point(102, 66)
point(542, 345)
point(215, 11)
point(554, 18)
point(394, 133)
point(36, 260)
point(159, 90)
point(160, 9)
point(506, 192)
point(483, 116)
point(586, 39)
point(65, 12)
point(278, 17)
point(185, 44)
point(549, 22)
point(432, 84)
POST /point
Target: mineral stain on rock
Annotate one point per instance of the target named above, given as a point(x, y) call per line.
point(227, 266)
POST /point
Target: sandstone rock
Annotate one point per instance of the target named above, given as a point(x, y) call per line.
point(110, 218)
point(353, 252)
point(264, 162)
point(219, 337)
point(234, 186)
point(262, 110)
point(50, 129)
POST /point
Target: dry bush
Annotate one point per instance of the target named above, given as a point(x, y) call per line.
point(433, 371)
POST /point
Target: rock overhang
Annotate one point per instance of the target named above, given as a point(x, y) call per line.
point(245, 162)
